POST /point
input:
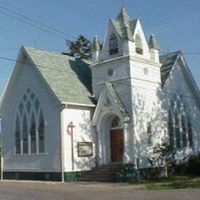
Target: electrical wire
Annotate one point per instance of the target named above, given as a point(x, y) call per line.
point(98, 78)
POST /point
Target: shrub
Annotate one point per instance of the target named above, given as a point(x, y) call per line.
point(193, 165)
point(127, 173)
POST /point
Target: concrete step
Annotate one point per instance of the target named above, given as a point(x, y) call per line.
point(106, 173)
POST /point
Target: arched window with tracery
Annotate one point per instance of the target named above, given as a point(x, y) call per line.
point(179, 125)
point(138, 44)
point(113, 44)
point(29, 126)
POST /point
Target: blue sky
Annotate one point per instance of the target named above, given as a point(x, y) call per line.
point(176, 24)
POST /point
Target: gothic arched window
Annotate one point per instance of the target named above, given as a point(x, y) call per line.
point(116, 123)
point(29, 126)
point(113, 44)
point(138, 44)
point(179, 125)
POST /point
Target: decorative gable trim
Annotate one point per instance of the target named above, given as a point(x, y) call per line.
point(109, 103)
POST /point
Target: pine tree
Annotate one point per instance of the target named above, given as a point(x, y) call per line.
point(80, 48)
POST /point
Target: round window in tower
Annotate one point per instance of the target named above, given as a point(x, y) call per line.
point(110, 72)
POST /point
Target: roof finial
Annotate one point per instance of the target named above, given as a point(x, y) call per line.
point(153, 43)
point(96, 43)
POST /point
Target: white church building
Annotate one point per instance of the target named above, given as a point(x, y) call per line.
point(63, 115)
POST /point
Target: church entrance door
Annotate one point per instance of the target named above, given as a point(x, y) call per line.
point(117, 145)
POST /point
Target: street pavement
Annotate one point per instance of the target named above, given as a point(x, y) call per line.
point(12, 190)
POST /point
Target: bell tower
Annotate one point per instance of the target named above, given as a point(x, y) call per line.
point(131, 67)
point(126, 60)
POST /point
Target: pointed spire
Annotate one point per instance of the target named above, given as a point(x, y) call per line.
point(153, 43)
point(96, 43)
point(123, 17)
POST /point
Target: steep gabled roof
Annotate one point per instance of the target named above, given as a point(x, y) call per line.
point(69, 78)
point(167, 61)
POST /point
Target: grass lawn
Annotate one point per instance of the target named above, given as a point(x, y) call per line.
point(176, 182)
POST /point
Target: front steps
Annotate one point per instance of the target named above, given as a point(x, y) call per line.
point(104, 173)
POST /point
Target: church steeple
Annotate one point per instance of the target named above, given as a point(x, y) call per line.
point(123, 17)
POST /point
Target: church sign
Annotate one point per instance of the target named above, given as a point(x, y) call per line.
point(85, 149)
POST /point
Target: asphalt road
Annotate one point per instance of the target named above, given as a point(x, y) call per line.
point(88, 191)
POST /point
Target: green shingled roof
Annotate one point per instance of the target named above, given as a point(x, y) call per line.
point(68, 78)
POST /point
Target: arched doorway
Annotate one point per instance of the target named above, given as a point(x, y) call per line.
point(116, 140)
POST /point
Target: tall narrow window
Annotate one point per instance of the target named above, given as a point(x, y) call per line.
point(149, 134)
point(17, 137)
point(41, 133)
point(177, 130)
point(25, 135)
point(184, 131)
point(138, 44)
point(170, 129)
point(190, 133)
point(33, 134)
point(113, 44)
point(29, 126)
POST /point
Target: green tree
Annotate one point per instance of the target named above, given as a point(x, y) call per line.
point(80, 48)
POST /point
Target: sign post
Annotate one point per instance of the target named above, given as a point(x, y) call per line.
point(70, 131)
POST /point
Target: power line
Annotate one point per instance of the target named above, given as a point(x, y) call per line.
point(98, 78)
point(53, 31)
point(184, 52)
point(34, 25)
point(36, 21)
point(82, 12)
